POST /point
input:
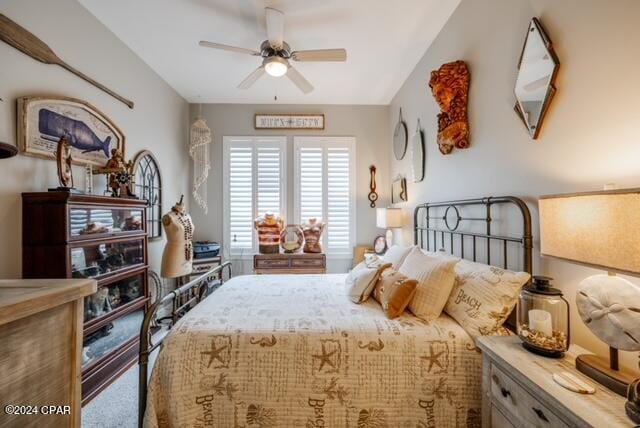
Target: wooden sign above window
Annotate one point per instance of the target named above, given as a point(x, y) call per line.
point(289, 121)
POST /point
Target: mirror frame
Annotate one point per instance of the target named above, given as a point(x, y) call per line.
point(551, 89)
point(401, 127)
point(418, 139)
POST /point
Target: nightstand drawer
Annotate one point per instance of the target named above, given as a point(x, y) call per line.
point(271, 263)
point(307, 262)
point(519, 403)
point(498, 420)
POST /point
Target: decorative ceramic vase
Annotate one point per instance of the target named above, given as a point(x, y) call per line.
point(269, 227)
point(312, 231)
point(291, 238)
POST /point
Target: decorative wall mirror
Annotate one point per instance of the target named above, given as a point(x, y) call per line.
point(148, 185)
point(537, 71)
point(400, 138)
point(399, 191)
point(417, 154)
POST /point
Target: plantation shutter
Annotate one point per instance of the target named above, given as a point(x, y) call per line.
point(253, 185)
point(324, 188)
point(338, 200)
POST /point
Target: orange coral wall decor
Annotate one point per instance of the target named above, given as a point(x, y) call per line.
point(450, 88)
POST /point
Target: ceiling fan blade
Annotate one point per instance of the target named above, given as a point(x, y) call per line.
point(299, 80)
point(275, 27)
point(251, 79)
point(228, 48)
point(320, 55)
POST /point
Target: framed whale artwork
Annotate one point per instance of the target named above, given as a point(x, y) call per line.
point(42, 121)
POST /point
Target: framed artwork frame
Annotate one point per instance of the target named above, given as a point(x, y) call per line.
point(399, 191)
point(42, 121)
point(380, 245)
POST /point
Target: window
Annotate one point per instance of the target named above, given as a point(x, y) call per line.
point(324, 188)
point(254, 183)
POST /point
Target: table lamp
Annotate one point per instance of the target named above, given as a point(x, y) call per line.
point(600, 230)
point(389, 218)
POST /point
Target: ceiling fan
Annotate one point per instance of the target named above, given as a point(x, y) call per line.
point(276, 53)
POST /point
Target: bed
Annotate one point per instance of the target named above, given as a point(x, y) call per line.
point(293, 351)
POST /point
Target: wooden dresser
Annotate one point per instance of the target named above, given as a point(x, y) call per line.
point(296, 263)
point(518, 390)
point(40, 351)
point(86, 236)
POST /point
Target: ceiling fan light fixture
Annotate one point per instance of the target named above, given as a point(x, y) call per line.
point(276, 66)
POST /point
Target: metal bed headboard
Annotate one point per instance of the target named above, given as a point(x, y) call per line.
point(429, 226)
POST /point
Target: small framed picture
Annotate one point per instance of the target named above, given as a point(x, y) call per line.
point(399, 191)
point(380, 245)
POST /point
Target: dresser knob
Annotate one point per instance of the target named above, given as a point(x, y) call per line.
point(540, 414)
point(505, 392)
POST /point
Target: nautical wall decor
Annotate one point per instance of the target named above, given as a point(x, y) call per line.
point(289, 121)
point(373, 195)
point(450, 88)
point(20, 38)
point(200, 136)
point(43, 121)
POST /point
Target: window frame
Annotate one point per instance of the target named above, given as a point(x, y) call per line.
point(253, 142)
point(325, 142)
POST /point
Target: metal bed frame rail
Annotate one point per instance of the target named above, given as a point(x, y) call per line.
point(452, 222)
point(182, 300)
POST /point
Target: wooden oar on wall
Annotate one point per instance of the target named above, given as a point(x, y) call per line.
point(21, 39)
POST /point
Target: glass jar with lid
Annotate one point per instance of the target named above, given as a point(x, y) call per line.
point(543, 318)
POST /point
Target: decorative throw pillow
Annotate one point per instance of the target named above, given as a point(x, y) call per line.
point(394, 291)
point(483, 296)
point(435, 276)
point(362, 279)
point(396, 255)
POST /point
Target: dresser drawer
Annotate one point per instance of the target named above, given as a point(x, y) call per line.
point(519, 403)
point(498, 420)
point(271, 263)
point(307, 262)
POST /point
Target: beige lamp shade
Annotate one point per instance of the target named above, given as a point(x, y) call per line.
point(388, 218)
point(597, 229)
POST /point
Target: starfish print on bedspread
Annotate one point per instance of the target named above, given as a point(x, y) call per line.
point(220, 353)
point(327, 357)
point(438, 356)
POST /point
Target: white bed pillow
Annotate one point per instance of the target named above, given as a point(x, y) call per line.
point(435, 276)
point(483, 296)
point(396, 255)
point(362, 279)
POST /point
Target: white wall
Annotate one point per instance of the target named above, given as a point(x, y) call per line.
point(158, 122)
point(589, 138)
point(369, 124)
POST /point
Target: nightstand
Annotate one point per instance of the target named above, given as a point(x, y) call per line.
point(518, 390)
point(290, 263)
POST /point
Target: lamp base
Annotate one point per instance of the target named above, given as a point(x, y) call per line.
point(389, 237)
point(597, 368)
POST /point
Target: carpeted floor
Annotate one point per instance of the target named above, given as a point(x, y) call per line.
point(117, 405)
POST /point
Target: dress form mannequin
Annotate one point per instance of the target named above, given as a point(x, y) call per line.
point(177, 257)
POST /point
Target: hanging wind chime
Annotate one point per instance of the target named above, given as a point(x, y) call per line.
point(199, 152)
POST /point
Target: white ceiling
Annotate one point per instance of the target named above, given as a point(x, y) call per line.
point(384, 39)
